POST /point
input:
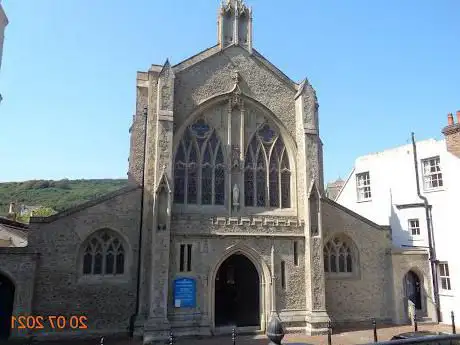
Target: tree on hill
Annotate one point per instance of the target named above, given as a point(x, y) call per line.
point(58, 195)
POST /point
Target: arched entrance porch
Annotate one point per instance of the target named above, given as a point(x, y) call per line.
point(6, 305)
point(237, 293)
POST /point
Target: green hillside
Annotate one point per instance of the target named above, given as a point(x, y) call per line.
point(58, 195)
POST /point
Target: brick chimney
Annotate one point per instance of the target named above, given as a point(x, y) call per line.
point(452, 134)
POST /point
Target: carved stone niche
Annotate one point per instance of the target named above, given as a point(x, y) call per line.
point(236, 197)
point(236, 101)
point(163, 205)
point(237, 164)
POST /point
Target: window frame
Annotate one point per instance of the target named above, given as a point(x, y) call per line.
point(429, 175)
point(349, 244)
point(193, 140)
point(361, 189)
point(104, 277)
point(257, 146)
point(411, 228)
point(185, 258)
point(444, 277)
point(295, 250)
point(283, 274)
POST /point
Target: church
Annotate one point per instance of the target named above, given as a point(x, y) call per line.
point(224, 222)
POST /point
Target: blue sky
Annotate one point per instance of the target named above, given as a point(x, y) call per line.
point(381, 69)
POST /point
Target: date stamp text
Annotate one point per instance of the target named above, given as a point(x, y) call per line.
point(33, 322)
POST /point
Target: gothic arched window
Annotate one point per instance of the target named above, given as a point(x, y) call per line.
point(199, 176)
point(267, 177)
point(104, 254)
point(338, 257)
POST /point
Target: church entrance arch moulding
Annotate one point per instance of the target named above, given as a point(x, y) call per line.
point(249, 260)
point(7, 293)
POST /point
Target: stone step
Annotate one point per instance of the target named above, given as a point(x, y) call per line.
point(425, 320)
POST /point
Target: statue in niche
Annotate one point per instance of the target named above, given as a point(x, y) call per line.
point(236, 196)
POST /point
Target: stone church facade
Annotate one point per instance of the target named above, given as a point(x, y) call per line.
point(226, 191)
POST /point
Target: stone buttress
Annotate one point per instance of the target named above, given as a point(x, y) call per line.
point(309, 206)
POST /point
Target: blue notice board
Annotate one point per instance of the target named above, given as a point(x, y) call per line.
point(184, 293)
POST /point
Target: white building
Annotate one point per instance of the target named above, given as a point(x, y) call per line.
point(3, 24)
point(12, 233)
point(382, 187)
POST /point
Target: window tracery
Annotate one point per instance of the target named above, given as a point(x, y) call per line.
point(199, 176)
point(338, 257)
point(267, 175)
point(104, 254)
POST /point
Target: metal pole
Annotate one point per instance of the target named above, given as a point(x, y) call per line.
point(452, 317)
point(415, 322)
point(374, 326)
point(233, 336)
point(329, 333)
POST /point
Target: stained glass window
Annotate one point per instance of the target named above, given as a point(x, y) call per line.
point(199, 167)
point(338, 257)
point(206, 185)
point(104, 254)
point(219, 178)
point(192, 175)
point(88, 260)
point(274, 177)
point(267, 180)
point(260, 187)
point(249, 187)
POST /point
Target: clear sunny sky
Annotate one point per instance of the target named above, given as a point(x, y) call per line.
point(381, 69)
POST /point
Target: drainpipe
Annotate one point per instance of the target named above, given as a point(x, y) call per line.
point(141, 222)
point(429, 224)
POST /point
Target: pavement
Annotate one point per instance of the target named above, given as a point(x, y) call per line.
point(350, 337)
point(340, 337)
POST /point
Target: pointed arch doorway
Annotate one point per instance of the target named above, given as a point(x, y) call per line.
point(413, 290)
point(6, 306)
point(237, 293)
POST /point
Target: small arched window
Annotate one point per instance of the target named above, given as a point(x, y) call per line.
point(199, 176)
point(104, 254)
point(338, 257)
point(267, 176)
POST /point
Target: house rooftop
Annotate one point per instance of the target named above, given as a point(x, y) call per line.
point(13, 224)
